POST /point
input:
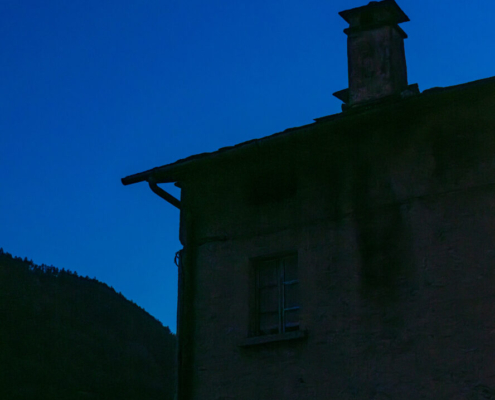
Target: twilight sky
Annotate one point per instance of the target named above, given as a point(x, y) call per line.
point(92, 91)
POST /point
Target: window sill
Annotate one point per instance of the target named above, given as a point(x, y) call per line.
point(257, 340)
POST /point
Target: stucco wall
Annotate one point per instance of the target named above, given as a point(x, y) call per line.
point(391, 214)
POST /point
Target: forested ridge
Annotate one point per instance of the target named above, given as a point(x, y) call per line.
point(63, 336)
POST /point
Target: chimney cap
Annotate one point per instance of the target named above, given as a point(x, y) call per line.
point(373, 14)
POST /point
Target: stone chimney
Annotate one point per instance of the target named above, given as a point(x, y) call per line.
point(375, 53)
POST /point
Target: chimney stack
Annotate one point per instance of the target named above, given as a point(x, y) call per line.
point(375, 53)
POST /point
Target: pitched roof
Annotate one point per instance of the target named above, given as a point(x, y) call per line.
point(173, 171)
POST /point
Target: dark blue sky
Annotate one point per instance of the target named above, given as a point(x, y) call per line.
point(92, 91)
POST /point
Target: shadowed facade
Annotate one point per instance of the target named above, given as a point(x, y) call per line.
point(351, 258)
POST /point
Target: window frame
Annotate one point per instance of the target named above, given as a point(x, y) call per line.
point(281, 265)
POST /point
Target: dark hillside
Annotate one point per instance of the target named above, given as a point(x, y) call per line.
point(67, 337)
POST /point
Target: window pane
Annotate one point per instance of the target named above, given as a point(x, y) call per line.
point(290, 268)
point(291, 320)
point(269, 299)
point(267, 273)
point(291, 295)
point(269, 323)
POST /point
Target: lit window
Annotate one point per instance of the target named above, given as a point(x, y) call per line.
point(277, 295)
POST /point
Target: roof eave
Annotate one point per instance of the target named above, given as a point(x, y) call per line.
point(164, 174)
point(180, 168)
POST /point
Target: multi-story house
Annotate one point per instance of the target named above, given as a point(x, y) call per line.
point(352, 258)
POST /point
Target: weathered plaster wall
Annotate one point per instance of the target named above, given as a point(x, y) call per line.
point(392, 218)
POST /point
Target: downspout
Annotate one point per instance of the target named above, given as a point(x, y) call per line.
point(162, 193)
point(180, 391)
point(179, 377)
point(185, 309)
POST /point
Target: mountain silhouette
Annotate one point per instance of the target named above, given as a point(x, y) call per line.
point(63, 336)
